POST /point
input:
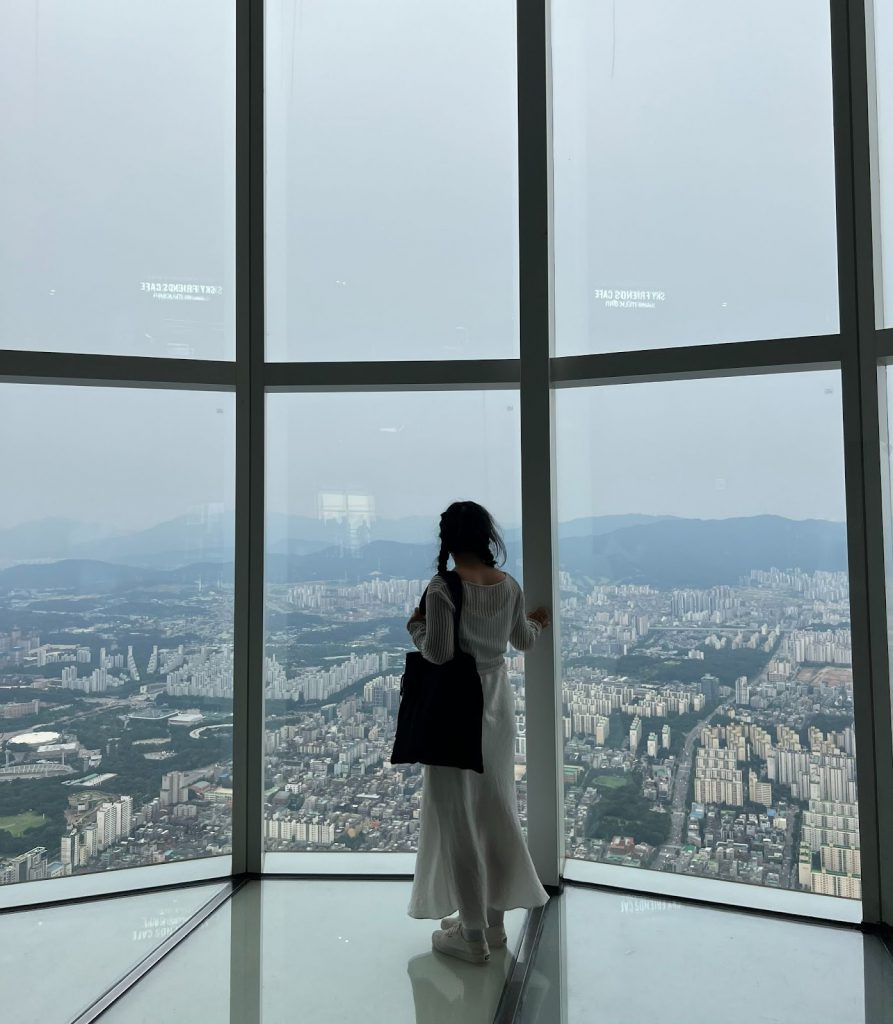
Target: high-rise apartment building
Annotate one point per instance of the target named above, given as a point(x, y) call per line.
point(635, 735)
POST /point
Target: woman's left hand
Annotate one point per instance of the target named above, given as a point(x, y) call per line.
point(417, 616)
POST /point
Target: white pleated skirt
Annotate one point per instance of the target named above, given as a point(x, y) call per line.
point(472, 854)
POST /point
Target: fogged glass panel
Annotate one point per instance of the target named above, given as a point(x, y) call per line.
point(694, 173)
point(356, 484)
point(117, 163)
point(116, 628)
point(883, 67)
point(391, 180)
point(706, 646)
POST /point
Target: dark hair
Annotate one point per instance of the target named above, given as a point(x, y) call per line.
point(468, 528)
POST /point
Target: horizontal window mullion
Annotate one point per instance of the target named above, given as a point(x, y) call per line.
point(692, 362)
point(415, 375)
point(111, 370)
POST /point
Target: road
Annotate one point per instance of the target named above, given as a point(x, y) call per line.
point(683, 773)
point(680, 783)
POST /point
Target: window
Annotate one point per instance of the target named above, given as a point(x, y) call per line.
point(117, 206)
point(352, 526)
point(694, 173)
point(391, 180)
point(116, 628)
point(693, 176)
point(706, 645)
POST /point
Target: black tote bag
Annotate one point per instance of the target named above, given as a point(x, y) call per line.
point(441, 706)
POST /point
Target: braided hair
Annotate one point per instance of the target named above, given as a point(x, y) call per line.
point(467, 528)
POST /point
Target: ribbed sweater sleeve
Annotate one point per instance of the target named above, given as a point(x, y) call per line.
point(434, 636)
point(524, 631)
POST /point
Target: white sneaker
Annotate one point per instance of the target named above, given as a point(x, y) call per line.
point(452, 942)
point(495, 936)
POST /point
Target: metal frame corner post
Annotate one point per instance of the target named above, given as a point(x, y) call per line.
point(861, 429)
point(875, 476)
point(544, 794)
point(248, 682)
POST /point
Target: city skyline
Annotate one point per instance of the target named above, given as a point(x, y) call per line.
point(719, 717)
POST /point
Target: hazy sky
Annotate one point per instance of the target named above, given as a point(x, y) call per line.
point(693, 161)
point(694, 158)
point(741, 446)
point(126, 458)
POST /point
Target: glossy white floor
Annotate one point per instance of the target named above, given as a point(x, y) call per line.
point(332, 951)
point(609, 958)
point(328, 951)
point(56, 962)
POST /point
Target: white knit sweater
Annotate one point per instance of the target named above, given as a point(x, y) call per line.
point(492, 617)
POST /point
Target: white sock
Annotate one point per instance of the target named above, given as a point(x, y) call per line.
point(472, 934)
point(495, 918)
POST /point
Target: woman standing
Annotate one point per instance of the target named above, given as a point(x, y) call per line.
point(472, 856)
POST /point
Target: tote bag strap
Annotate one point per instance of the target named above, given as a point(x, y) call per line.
point(454, 582)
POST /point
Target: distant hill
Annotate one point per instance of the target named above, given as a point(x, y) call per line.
point(73, 574)
point(169, 544)
point(89, 576)
point(301, 535)
point(594, 526)
point(664, 552)
point(406, 561)
point(210, 538)
point(51, 538)
point(705, 552)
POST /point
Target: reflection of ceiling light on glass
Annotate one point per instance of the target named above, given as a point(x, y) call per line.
point(391, 430)
point(355, 507)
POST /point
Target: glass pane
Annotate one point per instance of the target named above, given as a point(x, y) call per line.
point(391, 180)
point(694, 173)
point(117, 207)
point(116, 622)
point(122, 932)
point(705, 631)
point(352, 525)
point(883, 53)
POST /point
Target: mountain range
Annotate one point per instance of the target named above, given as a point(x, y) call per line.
point(658, 550)
point(210, 538)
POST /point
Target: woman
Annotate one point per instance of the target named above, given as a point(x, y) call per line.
point(472, 855)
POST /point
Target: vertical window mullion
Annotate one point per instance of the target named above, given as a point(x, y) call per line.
point(861, 426)
point(867, 272)
point(248, 691)
point(544, 750)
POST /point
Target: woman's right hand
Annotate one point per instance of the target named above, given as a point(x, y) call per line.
point(540, 615)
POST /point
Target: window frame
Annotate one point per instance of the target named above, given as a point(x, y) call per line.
point(858, 350)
